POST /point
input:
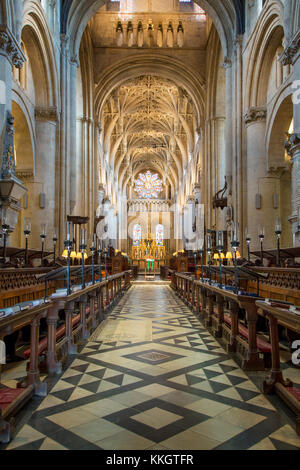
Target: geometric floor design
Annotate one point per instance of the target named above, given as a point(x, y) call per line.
point(179, 391)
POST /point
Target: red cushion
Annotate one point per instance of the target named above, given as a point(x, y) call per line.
point(262, 345)
point(227, 319)
point(295, 392)
point(59, 334)
point(8, 395)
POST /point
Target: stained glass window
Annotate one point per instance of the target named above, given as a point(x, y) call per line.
point(160, 235)
point(148, 185)
point(137, 235)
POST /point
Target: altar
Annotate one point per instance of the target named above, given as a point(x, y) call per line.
point(148, 248)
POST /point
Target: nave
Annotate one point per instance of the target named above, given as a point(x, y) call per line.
point(152, 377)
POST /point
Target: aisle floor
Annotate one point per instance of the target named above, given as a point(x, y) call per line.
point(152, 377)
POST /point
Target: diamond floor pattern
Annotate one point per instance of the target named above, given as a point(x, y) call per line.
point(179, 391)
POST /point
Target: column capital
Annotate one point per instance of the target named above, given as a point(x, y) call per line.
point(190, 199)
point(227, 64)
point(292, 51)
point(255, 114)
point(65, 49)
point(49, 113)
point(292, 146)
point(10, 47)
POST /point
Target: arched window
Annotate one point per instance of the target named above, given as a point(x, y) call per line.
point(160, 235)
point(137, 235)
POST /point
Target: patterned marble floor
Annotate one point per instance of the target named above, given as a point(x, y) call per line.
point(160, 382)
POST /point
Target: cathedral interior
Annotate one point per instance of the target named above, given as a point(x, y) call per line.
point(149, 225)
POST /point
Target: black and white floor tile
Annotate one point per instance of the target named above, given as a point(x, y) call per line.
point(179, 391)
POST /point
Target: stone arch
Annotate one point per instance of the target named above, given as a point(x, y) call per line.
point(40, 50)
point(223, 14)
point(278, 164)
point(166, 67)
point(25, 155)
point(24, 134)
point(268, 37)
point(278, 126)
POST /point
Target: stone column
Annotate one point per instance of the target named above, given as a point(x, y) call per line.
point(11, 189)
point(291, 56)
point(293, 148)
point(189, 215)
point(257, 180)
point(238, 167)
point(229, 111)
point(10, 54)
point(66, 187)
point(46, 119)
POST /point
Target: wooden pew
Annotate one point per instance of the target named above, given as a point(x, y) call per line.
point(276, 383)
point(241, 340)
point(210, 301)
point(21, 285)
point(11, 400)
point(92, 312)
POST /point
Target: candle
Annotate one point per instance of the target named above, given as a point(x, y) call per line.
point(247, 234)
point(69, 231)
point(261, 232)
point(208, 242)
point(27, 225)
point(82, 236)
point(278, 224)
point(220, 238)
point(43, 227)
point(235, 232)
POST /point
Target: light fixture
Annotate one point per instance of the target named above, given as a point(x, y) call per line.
point(73, 254)
point(238, 255)
point(228, 255)
point(222, 256)
point(216, 256)
point(65, 254)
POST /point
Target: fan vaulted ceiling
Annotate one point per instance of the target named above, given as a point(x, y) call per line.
point(148, 123)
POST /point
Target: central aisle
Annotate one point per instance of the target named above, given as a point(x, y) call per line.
point(152, 377)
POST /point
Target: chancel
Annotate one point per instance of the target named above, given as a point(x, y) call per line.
point(150, 226)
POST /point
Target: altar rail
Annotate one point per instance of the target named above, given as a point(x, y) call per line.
point(93, 302)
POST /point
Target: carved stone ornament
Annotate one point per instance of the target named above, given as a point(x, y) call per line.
point(10, 48)
point(227, 63)
point(24, 173)
point(46, 113)
point(292, 144)
point(8, 166)
point(255, 114)
point(289, 54)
